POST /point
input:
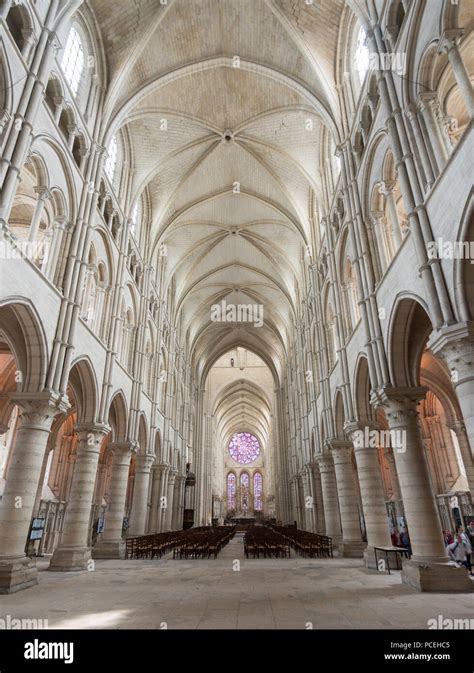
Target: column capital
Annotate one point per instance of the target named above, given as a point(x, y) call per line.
point(341, 450)
point(5, 117)
point(40, 408)
point(458, 426)
point(427, 99)
point(397, 394)
point(400, 404)
point(100, 149)
point(98, 429)
point(362, 434)
point(387, 186)
point(73, 129)
point(160, 467)
point(449, 39)
point(124, 449)
point(455, 344)
point(455, 339)
point(355, 426)
point(325, 462)
point(43, 192)
point(145, 461)
point(372, 100)
point(54, 41)
point(172, 477)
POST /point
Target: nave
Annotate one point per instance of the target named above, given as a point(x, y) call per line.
point(292, 593)
point(236, 289)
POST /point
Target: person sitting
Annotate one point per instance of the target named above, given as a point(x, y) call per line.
point(448, 538)
point(460, 550)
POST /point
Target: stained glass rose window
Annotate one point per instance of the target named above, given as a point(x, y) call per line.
point(244, 448)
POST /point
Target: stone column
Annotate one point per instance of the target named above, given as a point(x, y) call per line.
point(300, 502)
point(430, 110)
point(155, 510)
point(455, 344)
point(36, 414)
point(111, 544)
point(365, 442)
point(412, 114)
point(29, 41)
point(294, 505)
point(421, 511)
point(73, 552)
point(320, 524)
point(352, 545)
point(332, 517)
point(43, 195)
point(140, 495)
point(378, 225)
point(459, 429)
point(449, 44)
point(428, 569)
point(163, 506)
point(177, 518)
point(309, 500)
point(386, 188)
point(169, 500)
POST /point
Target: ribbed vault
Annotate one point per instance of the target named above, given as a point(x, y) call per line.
point(226, 130)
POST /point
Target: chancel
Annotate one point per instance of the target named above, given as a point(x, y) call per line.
point(236, 313)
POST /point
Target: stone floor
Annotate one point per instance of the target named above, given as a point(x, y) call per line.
point(294, 593)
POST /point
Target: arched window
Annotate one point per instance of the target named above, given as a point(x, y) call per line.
point(73, 60)
point(148, 369)
point(111, 158)
point(244, 448)
point(231, 488)
point(134, 225)
point(331, 335)
point(244, 491)
point(135, 214)
point(361, 55)
point(21, 29)
point(128, 332)
point(350, 298)
point(257, 492)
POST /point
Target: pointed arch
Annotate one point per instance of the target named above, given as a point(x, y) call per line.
point(23, 331)
point(83, 382)
point(118, 416)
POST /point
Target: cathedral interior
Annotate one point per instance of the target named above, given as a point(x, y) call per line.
point(236, 313)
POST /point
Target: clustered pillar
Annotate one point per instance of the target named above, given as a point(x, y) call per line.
point(37, 412)
point(73, 552)
point(331, 504)
point(112, 544)
point(352, 544)
point(140, 495)
point(371, 489)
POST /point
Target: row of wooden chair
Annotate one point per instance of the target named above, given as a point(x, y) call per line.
point(307, 544)
point(260, 541)
point(204, 543)
point(154, 546)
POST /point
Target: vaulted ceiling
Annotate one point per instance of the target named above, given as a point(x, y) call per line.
point(247, 89)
